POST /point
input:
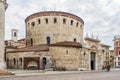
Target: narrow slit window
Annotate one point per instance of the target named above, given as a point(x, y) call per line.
point(71, 22)
point(46, 20)
point(39, 21)
point(77, 24)
point(55, 20)
point(33, 24)
point(64, 21)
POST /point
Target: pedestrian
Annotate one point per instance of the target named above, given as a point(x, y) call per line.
point(103, 67)
point(108, 67)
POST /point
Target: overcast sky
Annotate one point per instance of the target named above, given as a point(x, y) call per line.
point(101, 17)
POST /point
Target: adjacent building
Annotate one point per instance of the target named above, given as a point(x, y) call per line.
point(117, 50)
point(106, 55)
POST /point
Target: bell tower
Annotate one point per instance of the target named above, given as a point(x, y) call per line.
point(14, 33)
point(3, 7)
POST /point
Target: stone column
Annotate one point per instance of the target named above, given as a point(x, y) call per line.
point(2, 22)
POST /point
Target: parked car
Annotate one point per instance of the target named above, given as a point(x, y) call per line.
point(81, 69)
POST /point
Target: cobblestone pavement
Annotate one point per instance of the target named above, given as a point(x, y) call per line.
point(112, 75)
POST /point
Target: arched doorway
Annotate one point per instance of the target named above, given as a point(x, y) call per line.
point(92, 60)
point(44, 62)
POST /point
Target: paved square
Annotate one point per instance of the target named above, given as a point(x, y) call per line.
point(112, 75)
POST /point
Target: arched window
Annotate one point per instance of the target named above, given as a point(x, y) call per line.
point(71, 22)
point(48, 40)
point(46, 20)
point(39, 21)
point(74, 39)
point(64, 21)
point(77, 24)
point(55, 20)
point(31, 41)
point(20, 61)
point(15, 34)
point(14, 61)
point(32, 24)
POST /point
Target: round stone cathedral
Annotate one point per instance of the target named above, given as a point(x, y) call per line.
point(54, 40)
point(53, 26)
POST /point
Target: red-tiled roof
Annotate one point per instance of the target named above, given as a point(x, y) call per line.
point(54, 13)
point(67, 44)
point(11, 47)
point(40, 47)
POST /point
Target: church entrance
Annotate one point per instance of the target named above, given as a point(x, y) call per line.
point(44, 62)
point(92, 60)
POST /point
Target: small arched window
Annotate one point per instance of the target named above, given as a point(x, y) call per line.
point(46, 20)
point(15, 34)
point(32, 24)
point(74, 39)
point(48, 40)
point(31, 41)
point(77, 24)
point(14, 61)
point(55, 20)
point(39, 21)
point(64, 21)
point(20, 61)
point(71, 22)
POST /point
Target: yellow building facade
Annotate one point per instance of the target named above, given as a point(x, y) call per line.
point(106, 55)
